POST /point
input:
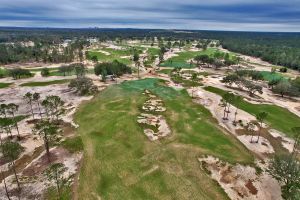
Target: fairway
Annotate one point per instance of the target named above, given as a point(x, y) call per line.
point(112, 54)
point(5, 85)
point(121, 163)
point(45, 83)
point(182, 59)
point(278, 118)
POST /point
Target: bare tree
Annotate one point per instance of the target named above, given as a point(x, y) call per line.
point(260, 117)
point(12, 109)
point(36, 98)
point(29, 99)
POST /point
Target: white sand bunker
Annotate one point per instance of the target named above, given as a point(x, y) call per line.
point(159, 127)
point(153, 104)
point(158, 122)
point(241, 182)
point(261, 147)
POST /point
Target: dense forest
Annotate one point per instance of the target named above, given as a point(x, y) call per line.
point(277, 48)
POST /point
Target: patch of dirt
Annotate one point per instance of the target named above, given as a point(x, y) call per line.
point(251, 187)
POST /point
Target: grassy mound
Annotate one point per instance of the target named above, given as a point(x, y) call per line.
point(121, 163)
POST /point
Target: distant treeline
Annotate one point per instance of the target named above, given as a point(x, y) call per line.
point(42, 51)
point(277, 48)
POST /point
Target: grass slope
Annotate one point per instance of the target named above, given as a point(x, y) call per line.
point(121, 163)
point(278, 118)
point(45, 83)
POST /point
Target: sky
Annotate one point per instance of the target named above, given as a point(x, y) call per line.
point(232, 15)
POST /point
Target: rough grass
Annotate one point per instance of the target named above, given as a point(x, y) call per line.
point(278, 118)
point(5, 85)
point(121, 163)
point(46, 83)
point(73, 144)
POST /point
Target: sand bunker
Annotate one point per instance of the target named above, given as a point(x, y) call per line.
point(286, 142)
point(159, 127)
point(157, 122)
point(241, 182)
point(261, 147)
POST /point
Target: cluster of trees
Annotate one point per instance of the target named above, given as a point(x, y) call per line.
point(242, 83)
point(42, 52)
point(81, 84)
point(217, 60)
point(18, 73)
point(46, 126)
point(285, 87)
point(113, 68)
point(278, 50)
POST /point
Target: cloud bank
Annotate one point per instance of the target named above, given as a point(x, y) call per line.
point(237, 15)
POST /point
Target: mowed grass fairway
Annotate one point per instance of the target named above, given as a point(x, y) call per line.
point(121, 163)
point(278, 118)
point(115, 54)
point(45, 83)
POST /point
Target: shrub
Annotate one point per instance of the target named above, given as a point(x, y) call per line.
point(83, 86)
point(18, 73)
point(45, 72)
point(113, 68)
point(283, 69)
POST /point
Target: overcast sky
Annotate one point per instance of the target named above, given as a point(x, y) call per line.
point(242, 15)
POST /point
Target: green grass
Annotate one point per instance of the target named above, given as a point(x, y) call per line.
point(73, 144)
point(3, 72)
point(40, 69)
point(9, 121)
point(45, 83)
point(5, 85)
point(120, 162)
point(181, 59)
point(278, 118)
point(114, 55)
point(165, 71)
point(52, 194)
point(153, 51)
point(268, 76)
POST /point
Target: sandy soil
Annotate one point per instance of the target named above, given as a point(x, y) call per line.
point(241, 182)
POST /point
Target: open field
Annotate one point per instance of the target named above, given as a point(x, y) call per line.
point(126, 165)
point(278, 118)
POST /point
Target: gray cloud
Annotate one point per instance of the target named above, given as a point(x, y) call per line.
point(254, 15)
